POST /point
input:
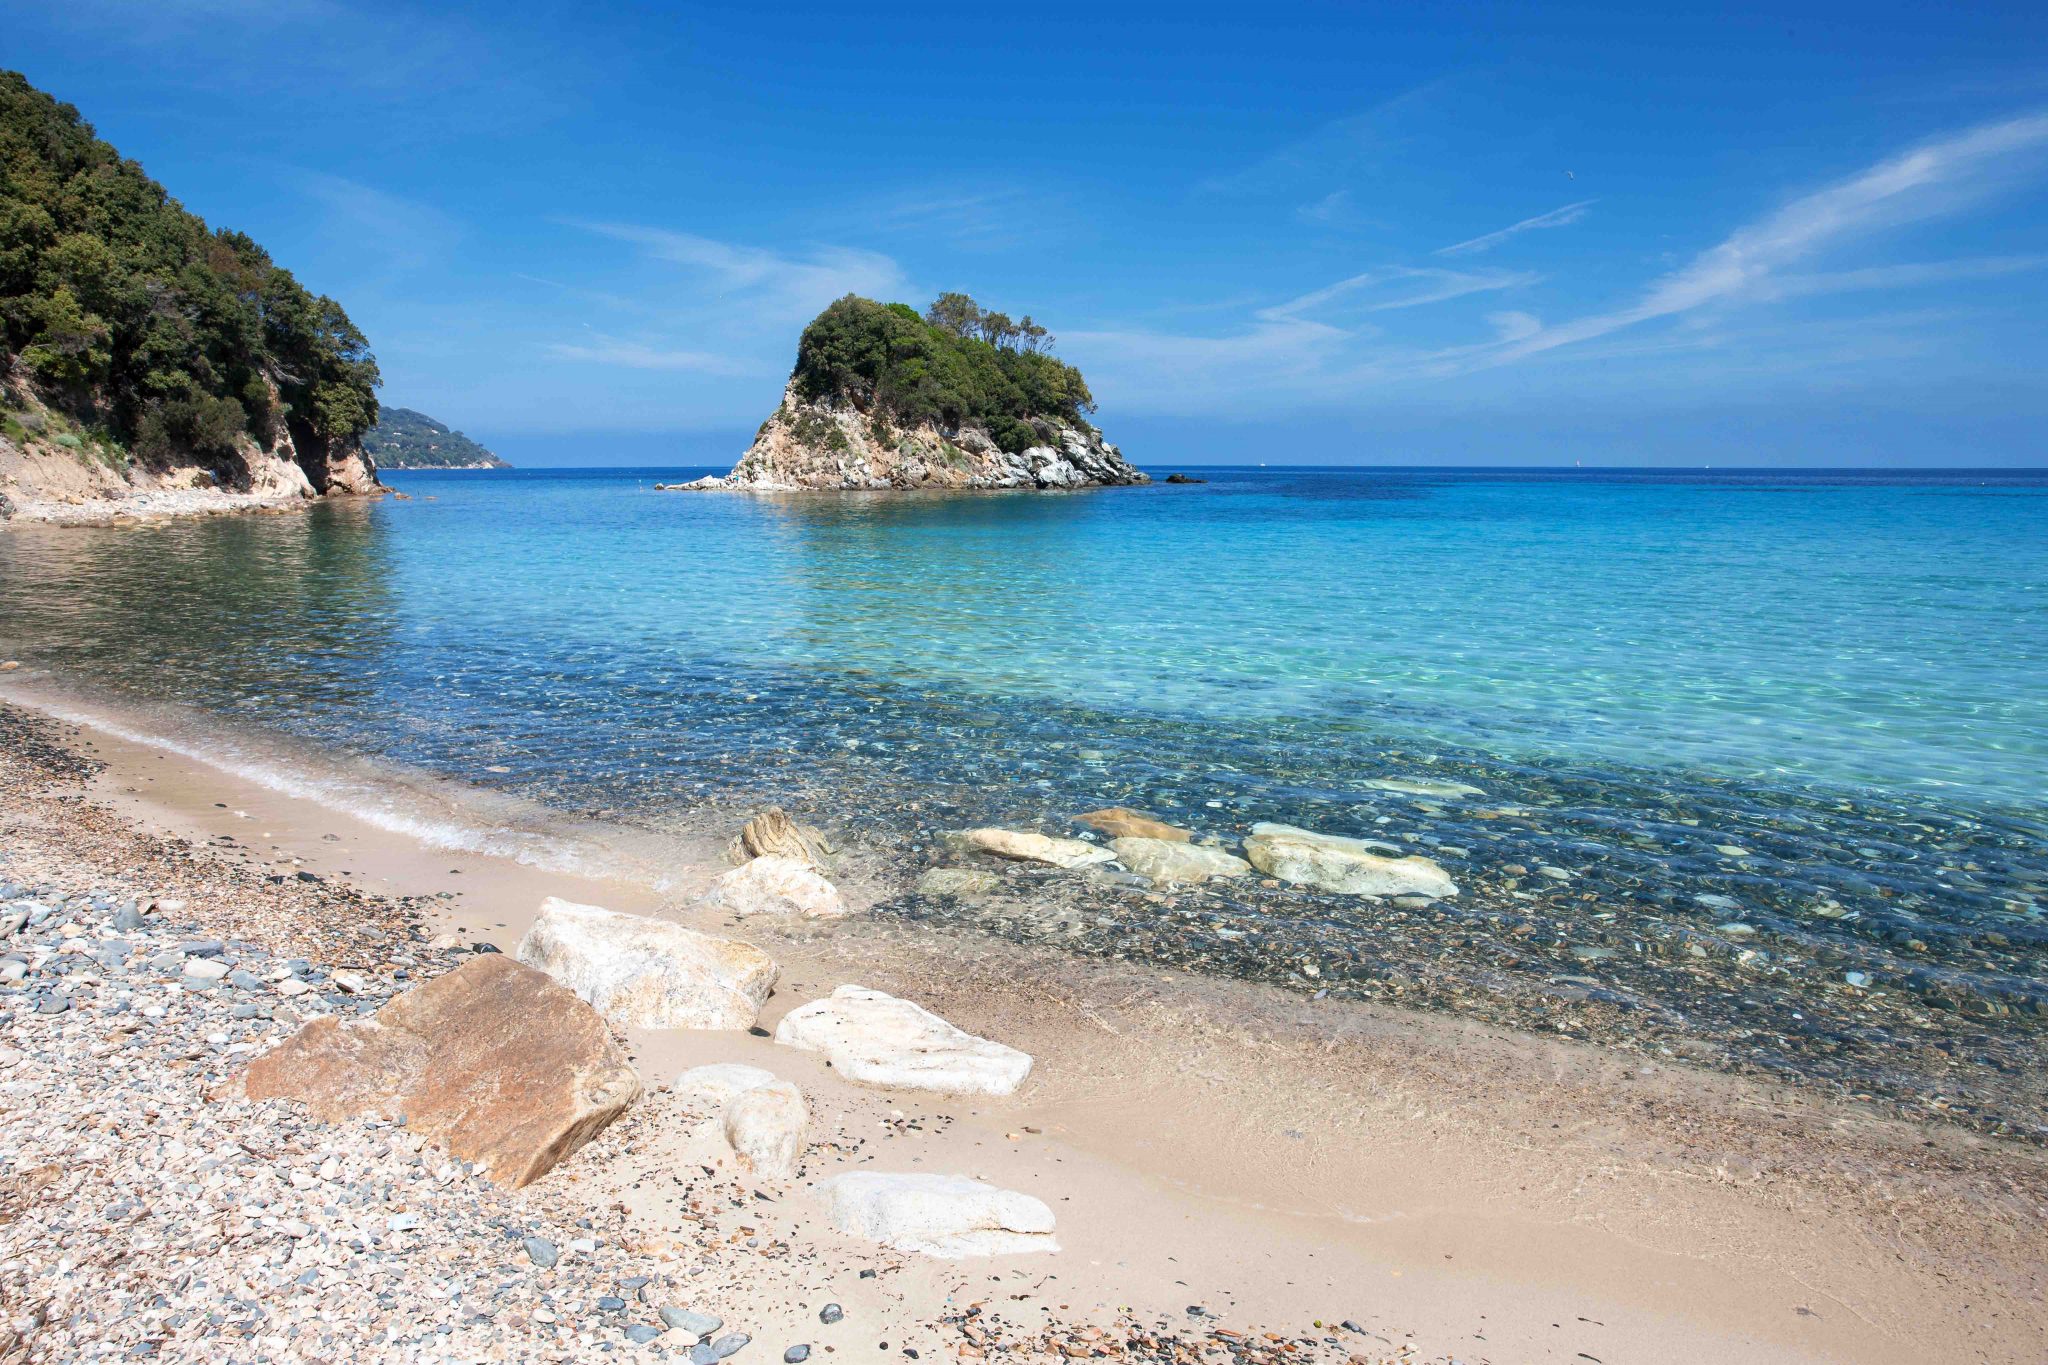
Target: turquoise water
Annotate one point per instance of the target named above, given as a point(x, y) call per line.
point(1838, 675)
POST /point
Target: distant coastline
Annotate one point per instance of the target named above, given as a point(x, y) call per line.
point(406, 439)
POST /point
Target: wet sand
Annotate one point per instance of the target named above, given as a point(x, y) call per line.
point(1280, 1162)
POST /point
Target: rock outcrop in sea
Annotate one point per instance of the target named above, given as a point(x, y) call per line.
point(958, 398)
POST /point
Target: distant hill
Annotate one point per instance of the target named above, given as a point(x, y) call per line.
point(404, 439)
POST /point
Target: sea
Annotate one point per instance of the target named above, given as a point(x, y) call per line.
point(1740, 767)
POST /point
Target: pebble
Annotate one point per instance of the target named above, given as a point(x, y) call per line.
point(830, 1314)
point(796, 1355)
point(541, 1252)
point(698, 1325)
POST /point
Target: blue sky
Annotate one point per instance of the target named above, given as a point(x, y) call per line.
point(590, 233)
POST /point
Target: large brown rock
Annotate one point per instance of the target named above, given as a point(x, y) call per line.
point(1124, 823)
point(493, 1060)
point(772, 834)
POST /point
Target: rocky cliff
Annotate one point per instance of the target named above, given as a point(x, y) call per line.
point(810, 444)
point(959, 397)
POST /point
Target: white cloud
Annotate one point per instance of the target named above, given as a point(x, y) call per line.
point(1513, 326)
point(1933, 179)
point(634, 355)
point(404, 233)
point(778, 289)
point(1556, 218)
point(1409, 286)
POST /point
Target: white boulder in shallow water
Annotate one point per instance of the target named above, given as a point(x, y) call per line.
point(1424, 786)
point(773, 884)
point(946, 1216)
point(878, 1039)
point(765, 1125)
point(1334, 863)
point(646, 973)
point(1028, 846)
point(711, 1088)
point(1164, 860)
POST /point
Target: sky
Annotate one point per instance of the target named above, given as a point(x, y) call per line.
point(591, 233)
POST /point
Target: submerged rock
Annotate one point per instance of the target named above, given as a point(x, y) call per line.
point(877, 1039)
point(773, 834)
point(494, 1060)
point(1335, 863)
point(1031, 847)
point(646, 973)
point(963, 882)
point(776, 885)
point(944, 1216)
point(765, 1125)
point(1120, 821)
point(1161, 860)
point(1424, 786)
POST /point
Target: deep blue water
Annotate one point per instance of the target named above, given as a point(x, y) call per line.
point(1838, 675)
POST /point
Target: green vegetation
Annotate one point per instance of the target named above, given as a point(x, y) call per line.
point(958, 365)
point(133, 317)
point(404, 439)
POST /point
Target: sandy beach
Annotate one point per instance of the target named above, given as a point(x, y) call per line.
point(1233, 1168)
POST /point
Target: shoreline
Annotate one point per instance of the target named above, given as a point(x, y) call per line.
point(1410, 1173)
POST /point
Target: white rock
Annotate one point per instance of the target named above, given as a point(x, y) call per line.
point(711, 1088)
point(878, 1039)
point(1424, 786)
point(1168, 860)
point(646, 973)
point(205, 968)
point(765, 1125)
point(351, 983)
point(947, 1216)
point(1335, 863)
point(1030, 847)
point(774, 885)
point(291, 986)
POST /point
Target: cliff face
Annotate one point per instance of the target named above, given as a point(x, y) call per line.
point(52, 470)
point(812, 444)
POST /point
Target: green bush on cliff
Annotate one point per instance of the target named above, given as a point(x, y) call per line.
point(956, 366)
point(131, 314)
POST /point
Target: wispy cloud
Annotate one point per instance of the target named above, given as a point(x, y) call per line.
point(402, 234)
point(1393, 287)
point(1932, 180)
point(634, 355)
point(1556, 218)
point(778, 288)
point(1341, 146)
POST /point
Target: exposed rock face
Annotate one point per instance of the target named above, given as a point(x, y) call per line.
point(1122, 820)
point(765, 1125)
point(493, 1060)
point(815, 445)
point(1335, 863)
point(877, 1039)
point(1165, 860)
point(775, 885)
point(647, 973)
point(944, 1216)
point(54, 474)
point(1027, 846)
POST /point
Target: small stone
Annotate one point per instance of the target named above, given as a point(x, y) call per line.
point(640, 1333)
point(205, 968)
point(542, 1252)
point(796, 1355)
point(612, 1303)
point(698, 1325)
point(830, 1314)
point(732, 1343)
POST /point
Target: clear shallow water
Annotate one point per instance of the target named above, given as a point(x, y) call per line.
point(1837, 676)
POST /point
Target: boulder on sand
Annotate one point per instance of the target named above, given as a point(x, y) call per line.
point(773, 834)
point(647, 973)
point(1028, 846)
point(711, 1088)
point(1335, 863)
point(946, 1216)
point(1122, 821)
point(1162, 860)
point(495, 1061)
point(775, 885)
point(877, 1039)
point(765, 1125)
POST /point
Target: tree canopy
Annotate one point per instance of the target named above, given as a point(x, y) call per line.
point(131, 314)
point(957, 365)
